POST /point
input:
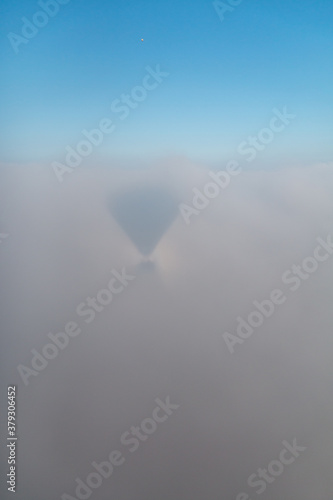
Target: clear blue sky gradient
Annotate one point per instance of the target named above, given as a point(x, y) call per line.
point(224, 78)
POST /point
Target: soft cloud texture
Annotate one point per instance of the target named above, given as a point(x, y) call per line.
point(163, 335)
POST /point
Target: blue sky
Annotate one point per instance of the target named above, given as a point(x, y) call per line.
point(224, 78)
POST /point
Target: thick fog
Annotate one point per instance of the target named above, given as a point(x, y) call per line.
point(165, 326)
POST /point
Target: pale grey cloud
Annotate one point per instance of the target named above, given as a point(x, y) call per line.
point(163, 335)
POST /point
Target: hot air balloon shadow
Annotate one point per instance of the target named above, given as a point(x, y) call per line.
point(145, 214)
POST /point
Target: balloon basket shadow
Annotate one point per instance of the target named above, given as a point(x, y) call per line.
point(146, 265)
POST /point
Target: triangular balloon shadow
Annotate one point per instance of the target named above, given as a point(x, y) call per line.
point(144, 213)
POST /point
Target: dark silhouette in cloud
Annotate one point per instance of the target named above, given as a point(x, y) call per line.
point(145, 213)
